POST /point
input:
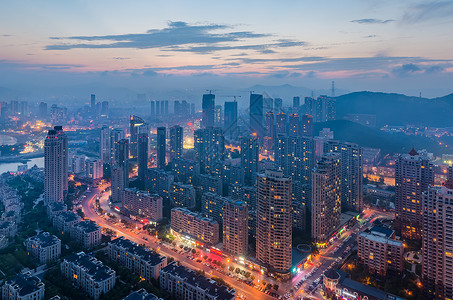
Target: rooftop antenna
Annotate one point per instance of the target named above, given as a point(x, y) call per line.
point(312, 94)
point(420, 94)
point(210, 91)
point(333, 89)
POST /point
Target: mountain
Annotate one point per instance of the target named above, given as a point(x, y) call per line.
point(397, 109)
point(389, 143)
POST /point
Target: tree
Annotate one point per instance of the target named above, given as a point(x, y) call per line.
point(268, 286)
point(237, 270)
point(194, 251)
point(232, 268)
point(275, 286)
point(252, 277)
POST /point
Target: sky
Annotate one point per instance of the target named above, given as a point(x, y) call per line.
point(146, 46)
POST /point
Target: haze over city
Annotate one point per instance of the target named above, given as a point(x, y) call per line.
point(118, 49)
point(176, 150)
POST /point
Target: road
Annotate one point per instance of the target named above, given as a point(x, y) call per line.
point(321, 262)
point(241, 288)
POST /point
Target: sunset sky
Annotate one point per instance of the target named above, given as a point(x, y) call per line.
point(379, 45)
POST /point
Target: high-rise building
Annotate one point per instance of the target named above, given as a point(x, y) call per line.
point(176, 142)
point(93, 102)
point(161, 147)
point(94, 169)
point(270, 125)
point(250, 157)
point(104, 108)
point(293, 128)
point(230, 125)
point(351, 173)
point(218, 115)
point(268, 104)
point(322, 109)
point(65, 164)
point(256, 114)
point(152, 108)
point(307, 126)
point(326, 198)
point(158, 107)
point(274, 221)
point(142, 155)
point(55, 165)
point(182, 195)
point(278, 104)
point(42, 110)
point(296, 102)
point(137, 126)
point(235, 227)
point(295, 156)
point(117, 183)
point(166, 107)
point(116, 135)
point(380, 251)
point(104, 144)
point(437, 244)
point(122, 159)
point(413, 175)
point(281, 123)
point(208, 110)
point(209, 144)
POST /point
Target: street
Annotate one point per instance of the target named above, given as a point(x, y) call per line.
point(297, 288)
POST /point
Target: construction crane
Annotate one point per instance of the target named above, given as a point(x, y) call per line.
point(210, 91)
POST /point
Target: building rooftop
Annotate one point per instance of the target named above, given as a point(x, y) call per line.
point(378, 230)
point(88, 226)
point(140, 251)
point(211, 287)
point(56, 206)
point(45, 239)
point(26, 283)
point(141, 294)
point(69, 216)
point(93, 267)
point(4, 224)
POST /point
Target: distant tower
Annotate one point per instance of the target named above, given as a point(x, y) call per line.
point(250, 157)
point(137, 126)
point(142, 155)
point(55, 165)
point(93, 101)
point(104, 144)
point(176, 142)
point(161, 146)
point(333, 89)
point(122, 159)
point(208, 110)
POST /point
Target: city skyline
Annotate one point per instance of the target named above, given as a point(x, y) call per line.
point(373, 45)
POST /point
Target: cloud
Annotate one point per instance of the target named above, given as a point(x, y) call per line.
point(411, 69)
point(15, 64)
point(179, 37)
point(369, 36)
point(121, 58)
point(5, 35)
point(427, 11)
point(372, 21)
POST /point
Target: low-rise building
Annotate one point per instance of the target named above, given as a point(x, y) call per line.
point(183, 283)
point(337, 284)
point(87, 233)
point(8, 228)
point(138, 259)
point(141, 294)
point(44, 247)
point(379, 251)
point(65, 221)
point(23, 287)
point(142, 204)
point(195, 225)
point(55, 208)
point(88, 274)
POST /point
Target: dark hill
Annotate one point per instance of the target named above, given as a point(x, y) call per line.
point(397, 109)
point(375, 138)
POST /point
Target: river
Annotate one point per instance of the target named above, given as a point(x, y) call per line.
point(12, 167)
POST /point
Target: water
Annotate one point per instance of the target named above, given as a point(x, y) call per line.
point(7, 140)
point(12, 167)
